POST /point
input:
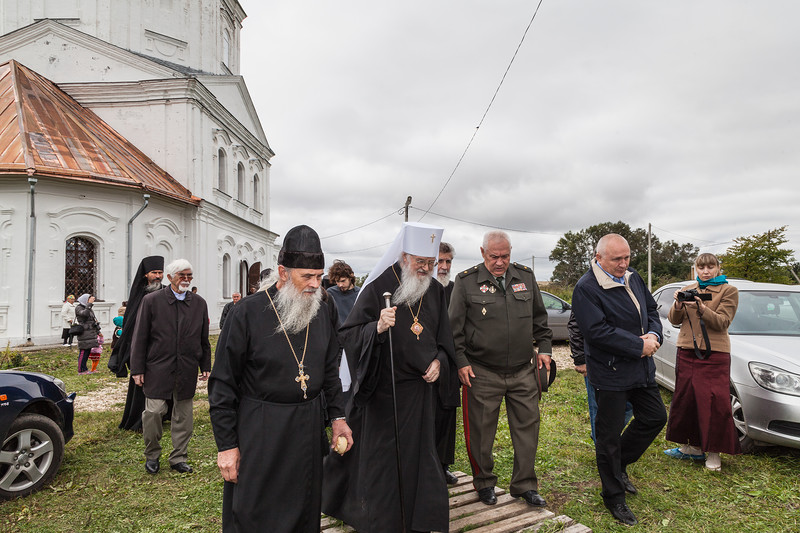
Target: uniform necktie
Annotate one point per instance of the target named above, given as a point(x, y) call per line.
point(501, 284)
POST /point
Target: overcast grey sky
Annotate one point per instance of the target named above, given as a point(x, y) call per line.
point(681, 114)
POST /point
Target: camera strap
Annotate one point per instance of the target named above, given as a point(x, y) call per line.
point(697, 351)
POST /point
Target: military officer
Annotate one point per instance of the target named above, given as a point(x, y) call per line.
point(498, 322)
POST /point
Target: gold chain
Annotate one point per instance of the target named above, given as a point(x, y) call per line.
point(302, 377)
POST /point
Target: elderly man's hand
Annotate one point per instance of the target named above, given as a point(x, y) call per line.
point(432, 373)
point(464, 374)
point(204, 376)
point(650, 345)
point(138, 379)
point(580, 369)
point(341, 429)
point(228, 463)
point(386, 319)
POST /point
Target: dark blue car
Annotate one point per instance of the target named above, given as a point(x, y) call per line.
point(35, 423)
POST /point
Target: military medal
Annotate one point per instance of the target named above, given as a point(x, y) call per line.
point(484, 288)
point(492, 289)
point(302, 377)
point(483, 311)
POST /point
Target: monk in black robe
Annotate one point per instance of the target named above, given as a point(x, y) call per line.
point(361, 488)
point(267, 413)
point(146, 280)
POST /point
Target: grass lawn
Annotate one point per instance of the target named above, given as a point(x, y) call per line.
point(102, 485)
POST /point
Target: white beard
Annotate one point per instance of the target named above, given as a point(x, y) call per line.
point(412, 287)
point(184, 287)
point(296, 309)
point(444, 279)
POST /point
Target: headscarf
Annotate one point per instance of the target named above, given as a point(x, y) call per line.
point(84, 299)
point(121, 354)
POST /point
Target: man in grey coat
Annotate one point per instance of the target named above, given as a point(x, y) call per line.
point(170, 345)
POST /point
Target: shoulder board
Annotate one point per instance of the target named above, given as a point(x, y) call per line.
point(522, 267)
point(468, 271)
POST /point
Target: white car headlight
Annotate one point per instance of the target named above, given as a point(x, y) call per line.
point(775, 379)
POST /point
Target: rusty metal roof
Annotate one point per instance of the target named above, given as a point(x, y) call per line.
point(44, 132)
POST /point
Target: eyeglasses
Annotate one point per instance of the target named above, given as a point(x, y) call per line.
point(181, 275)
point(420, 262)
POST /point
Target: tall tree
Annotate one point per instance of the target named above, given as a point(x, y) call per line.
point(575, 250)
point(760, 257)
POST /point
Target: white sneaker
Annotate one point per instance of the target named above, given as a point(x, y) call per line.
point(714, 462)
point(65, 344)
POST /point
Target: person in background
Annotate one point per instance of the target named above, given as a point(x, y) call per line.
point(88, 339)
point(67, 319)
point(700, 416)
point(343, 293)
point(235, 297)
point(95, 353)
point(579, 360)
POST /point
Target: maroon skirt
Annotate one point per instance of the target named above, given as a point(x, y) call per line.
point(700, 412)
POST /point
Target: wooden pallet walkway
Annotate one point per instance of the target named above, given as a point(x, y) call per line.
point(509, 515)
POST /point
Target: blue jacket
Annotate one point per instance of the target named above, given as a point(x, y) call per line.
point(612, 326)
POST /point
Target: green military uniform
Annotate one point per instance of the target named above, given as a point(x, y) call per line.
point(495, 330)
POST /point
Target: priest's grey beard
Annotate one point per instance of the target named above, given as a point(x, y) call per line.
point(444, 279)
point(412, 287)
point(153, 286)
point(295, 308)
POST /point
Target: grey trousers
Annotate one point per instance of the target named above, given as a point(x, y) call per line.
point(181, 428)
point(481, 409)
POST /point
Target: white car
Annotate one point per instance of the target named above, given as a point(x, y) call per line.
point(765, 360)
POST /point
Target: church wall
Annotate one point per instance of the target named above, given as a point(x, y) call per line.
point(185, 32)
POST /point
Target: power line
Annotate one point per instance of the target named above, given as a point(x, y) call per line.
point(474, 133)
point(360, 249)
point(516, 230)
point(396, 212)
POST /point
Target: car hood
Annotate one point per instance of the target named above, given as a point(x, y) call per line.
point(779, 350)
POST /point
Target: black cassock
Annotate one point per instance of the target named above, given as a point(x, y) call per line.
point(257, 405)
point(360, 488)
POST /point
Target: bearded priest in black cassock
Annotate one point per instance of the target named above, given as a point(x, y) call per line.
point(276, 369)
point(361, 488)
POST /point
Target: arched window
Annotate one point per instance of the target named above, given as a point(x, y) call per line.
point(222, 170)
point(243, 271)
point(256, 199)
point(226, 276)
point(226, 47)
point(80, 264)
point(241, 192)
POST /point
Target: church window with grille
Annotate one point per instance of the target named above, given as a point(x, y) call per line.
point(80, 267)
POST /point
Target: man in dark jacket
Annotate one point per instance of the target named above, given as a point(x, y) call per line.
point(621, 329)
point(169, 345)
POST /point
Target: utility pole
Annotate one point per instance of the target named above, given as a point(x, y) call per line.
point(408, 203)
point(649, 258)
point(533, 259)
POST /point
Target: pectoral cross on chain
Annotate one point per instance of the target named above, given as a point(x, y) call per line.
point(301, 379)
point(433, 237)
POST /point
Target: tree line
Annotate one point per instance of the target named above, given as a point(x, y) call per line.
point(760, 257)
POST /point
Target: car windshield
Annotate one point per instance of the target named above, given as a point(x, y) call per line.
point(767, 313)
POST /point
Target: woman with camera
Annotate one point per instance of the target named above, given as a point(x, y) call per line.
point(700, 415)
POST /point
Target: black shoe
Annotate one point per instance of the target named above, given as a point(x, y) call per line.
point(627, 484)
point(183, 468)
point(623, 513)
point(450, 477)
point(532, 497)
point(486, 495)
point(152, 466)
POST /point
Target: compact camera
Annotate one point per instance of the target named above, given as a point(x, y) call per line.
point(689, 294)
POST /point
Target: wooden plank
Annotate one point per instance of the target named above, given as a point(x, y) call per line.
point(562, 521)
point(476, 506)
point(496, 513)
point(577, 528)
point(512, 524)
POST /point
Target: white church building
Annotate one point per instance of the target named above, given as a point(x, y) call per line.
point(125, 131)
